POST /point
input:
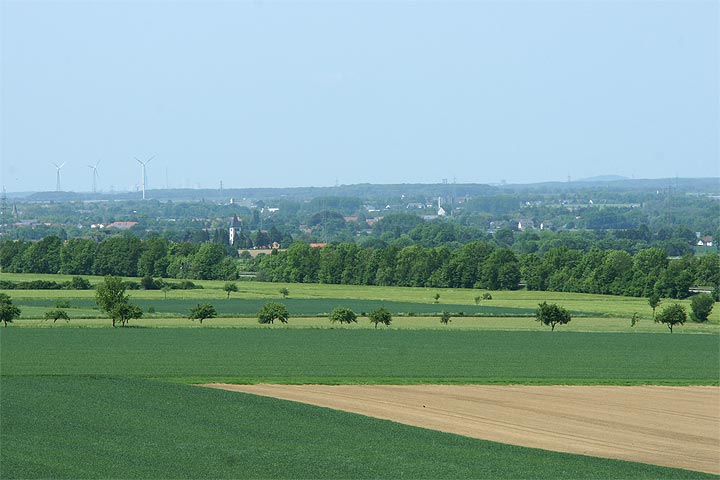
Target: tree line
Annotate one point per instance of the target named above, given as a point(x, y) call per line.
point(482, 265)
point(473, 265)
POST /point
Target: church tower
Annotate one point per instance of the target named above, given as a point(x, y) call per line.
point(235, 228)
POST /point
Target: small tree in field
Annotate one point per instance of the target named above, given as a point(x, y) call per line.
point(284, 292)
point(202, 311)
point(8, 311)
point(380, 315)
point(552, 315)
point(110, 297)
point(56, 315)
point(230, 287)
point(124, 312)
point(672, 315)
point(165, 290)
point(437, 298)
point(272, 311)
point(654, 301)
point(343, 315)
point(701, 305)
point(445, 318)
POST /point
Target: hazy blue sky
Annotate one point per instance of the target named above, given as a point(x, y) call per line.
point(312, 93)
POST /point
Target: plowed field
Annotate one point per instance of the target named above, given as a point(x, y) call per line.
point(669, 426)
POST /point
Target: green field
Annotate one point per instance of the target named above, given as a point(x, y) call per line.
point(412, 298)
point(114, 403)
point(362, 356)
point(118, 403)
point(80, 427)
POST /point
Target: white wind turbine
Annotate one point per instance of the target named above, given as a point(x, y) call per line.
point(95, 176)
point(57, 176)
point(144, 178)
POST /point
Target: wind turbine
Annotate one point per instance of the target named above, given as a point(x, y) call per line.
point(144, 178)
point(95, 175)
point(57, 183)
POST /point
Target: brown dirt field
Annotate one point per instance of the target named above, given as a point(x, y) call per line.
point(669, 426)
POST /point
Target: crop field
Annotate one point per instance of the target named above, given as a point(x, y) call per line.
point(80, 403)
point(362, 356)
point(408, 299)
point(80, 427)
point(121, 403)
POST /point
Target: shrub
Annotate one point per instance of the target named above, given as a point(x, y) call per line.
point(79, 283)
point(701, 305)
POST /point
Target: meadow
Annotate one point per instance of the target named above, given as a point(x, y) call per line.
point(120, 403)
point(309, 305)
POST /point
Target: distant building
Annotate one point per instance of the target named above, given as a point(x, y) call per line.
point(525, 223)
point(441, 211)
point(235, 229)
point(705, 241)
point(121, 225)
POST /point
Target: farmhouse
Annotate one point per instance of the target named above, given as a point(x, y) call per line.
point(706, 241)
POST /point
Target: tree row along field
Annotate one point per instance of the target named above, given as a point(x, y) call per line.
point(407, 300)
point(363, 356)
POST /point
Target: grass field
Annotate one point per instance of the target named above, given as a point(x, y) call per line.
point(116, 403)
point(362, 356)
point(77, 427)
point(89, 403)
point(586, 304)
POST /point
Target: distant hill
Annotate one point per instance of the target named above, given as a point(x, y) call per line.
point(382, 192)
point(603, 178)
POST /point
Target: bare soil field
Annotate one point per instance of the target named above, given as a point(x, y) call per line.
point(669, 426)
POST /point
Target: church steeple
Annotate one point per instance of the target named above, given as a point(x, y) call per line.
point(235, 229)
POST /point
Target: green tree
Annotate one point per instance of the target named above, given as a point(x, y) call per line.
point(654, 301)
point(165, 289)
point(124, 312)
point(343, 315)
point(380, 315)
point(552, 315)
point(701, 305)
point(672, 315)
point(284, 292)
point(229, 287)
point(56, 315)
point(110, 297)
point(437, 298)
point(80, 283)
point(202, 311)
point(272, 311)
point(445, 318)
point(8, 311)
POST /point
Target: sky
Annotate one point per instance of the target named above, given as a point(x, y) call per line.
point(281, 94)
